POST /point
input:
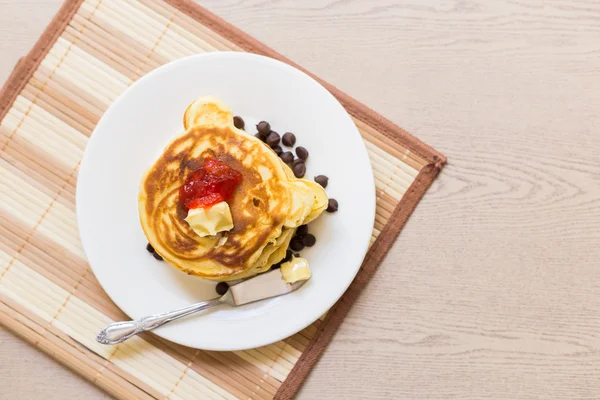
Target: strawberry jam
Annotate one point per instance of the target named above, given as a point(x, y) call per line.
point(213, 183)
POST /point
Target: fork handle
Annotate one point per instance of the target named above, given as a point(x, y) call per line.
point(120, 331)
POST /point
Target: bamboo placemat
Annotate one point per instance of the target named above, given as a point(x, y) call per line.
point(91, 52)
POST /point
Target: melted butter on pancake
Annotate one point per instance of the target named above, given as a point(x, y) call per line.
point(268, 204)
point(208, 221)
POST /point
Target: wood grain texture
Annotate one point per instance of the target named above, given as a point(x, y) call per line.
point(492, 288)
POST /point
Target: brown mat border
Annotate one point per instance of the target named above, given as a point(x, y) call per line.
point(27, 65)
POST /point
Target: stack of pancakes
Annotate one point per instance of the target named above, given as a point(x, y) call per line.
point(267, 207)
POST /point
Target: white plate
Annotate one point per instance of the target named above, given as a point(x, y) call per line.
point(130, 137)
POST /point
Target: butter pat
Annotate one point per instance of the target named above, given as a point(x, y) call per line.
point(295, 270)
point(210, 220)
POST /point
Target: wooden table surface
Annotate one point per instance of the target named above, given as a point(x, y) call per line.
point(493, 288)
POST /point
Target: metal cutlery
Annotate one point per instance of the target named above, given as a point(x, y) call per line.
point(261, 287)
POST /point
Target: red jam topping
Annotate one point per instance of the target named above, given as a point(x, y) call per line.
point(213, 183)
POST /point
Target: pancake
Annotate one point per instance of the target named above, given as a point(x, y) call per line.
point(266, 207)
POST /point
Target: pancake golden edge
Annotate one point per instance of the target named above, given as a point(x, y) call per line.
point(267, 207)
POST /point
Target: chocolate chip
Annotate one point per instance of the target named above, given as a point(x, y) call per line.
point(157, 256)
point(296, 244)
point(299, 170)
point(302, 230)
point(278, 150)
point(297, 161)
point(322, 180)
point(288, 256)
point(301, 152)
point(150, 248)
point(264, 128)
point(259, 136)
point(288, 139)
point(238, 122)
point(332, 205)
point(273, 139)
point(222, 288)
point(296, 255)
point(287, 157)
point(309, 240)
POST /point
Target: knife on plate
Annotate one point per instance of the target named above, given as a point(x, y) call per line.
point(264, 286)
